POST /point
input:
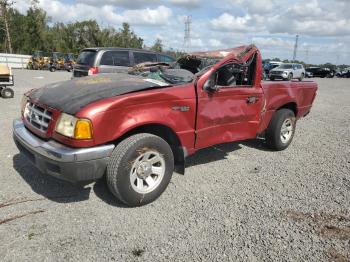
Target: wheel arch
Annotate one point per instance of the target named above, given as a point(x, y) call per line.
point(271, 112)
point(165, 133)
point(292, 106)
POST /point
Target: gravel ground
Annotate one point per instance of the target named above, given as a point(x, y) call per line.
point(237, 201)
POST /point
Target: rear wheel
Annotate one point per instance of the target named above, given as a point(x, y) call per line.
point(140, 169)
point(301, 77)
point(7, 93)
point(281, 130)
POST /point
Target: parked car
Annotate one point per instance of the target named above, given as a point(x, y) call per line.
point(269, 66)
point(93, 61)
point(308, 74)
point(288, 71)
point(320, 72)
point(343, 73)
point(6, 82)
point(136, 130)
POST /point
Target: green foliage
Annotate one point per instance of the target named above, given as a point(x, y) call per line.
point(34, 31)
point(158, 46)
point(276, 59)
point(175, 53)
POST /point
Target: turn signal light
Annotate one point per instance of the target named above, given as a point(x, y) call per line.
point(83, 129)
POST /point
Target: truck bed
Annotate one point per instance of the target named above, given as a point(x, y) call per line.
point(299, 95)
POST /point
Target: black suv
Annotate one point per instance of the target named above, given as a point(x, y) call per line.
point(320, 72)
point(98, 60)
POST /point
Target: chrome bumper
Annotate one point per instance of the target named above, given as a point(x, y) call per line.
point(50, 157)
point(7, 83)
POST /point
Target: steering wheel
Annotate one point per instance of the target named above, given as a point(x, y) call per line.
point(231, 80)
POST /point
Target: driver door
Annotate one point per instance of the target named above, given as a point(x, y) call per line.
point(230, 113)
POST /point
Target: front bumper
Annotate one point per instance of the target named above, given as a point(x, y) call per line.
point(281, 76)
point(71, 164)
point(7, 83)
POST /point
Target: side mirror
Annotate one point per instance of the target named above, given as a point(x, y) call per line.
point(210, 85)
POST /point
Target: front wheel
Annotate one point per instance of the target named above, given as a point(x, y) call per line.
point(140, 169)
point(301, 77)
point(281, 129)
point(7, 92)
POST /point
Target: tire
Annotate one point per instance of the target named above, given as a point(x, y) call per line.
point(282, 119)
point(7, 93)
point(128, 172)
point(52, 69)
point(290, 77)
point(301, 77)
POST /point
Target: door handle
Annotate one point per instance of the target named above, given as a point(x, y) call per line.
point(252, 99)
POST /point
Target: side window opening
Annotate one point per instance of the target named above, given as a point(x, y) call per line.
point(166, 59)
point(115, 58)
point(140, 57)
point(237, 74)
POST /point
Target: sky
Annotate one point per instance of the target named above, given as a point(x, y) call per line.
point(323, 26)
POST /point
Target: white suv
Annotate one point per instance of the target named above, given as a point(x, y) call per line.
point(288, 72)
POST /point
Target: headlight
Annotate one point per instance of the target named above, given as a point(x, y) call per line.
point(73, 127)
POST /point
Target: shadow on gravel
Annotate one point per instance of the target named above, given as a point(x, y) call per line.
point(220, 152)
point(257, 144)
point(47, 186)
point(58, 190)
point(101, 191)
point(65, 192)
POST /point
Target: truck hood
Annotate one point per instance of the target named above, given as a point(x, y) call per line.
point(70, 96)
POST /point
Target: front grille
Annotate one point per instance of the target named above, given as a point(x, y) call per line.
point(277, 72)
point(4, 78)
point(37, 116)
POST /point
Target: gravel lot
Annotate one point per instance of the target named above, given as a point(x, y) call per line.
point(237, 201)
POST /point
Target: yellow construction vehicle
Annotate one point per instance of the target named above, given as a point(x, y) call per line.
point(6, 81)
point(57, 62)
point(70, 60)
point(38, 61)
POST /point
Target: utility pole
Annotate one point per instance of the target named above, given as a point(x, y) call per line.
point(307, 54)
point(4, 4)
point(295, 47)
point(337, 59)
point(187, 38)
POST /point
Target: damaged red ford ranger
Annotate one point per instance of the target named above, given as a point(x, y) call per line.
point(137, 129)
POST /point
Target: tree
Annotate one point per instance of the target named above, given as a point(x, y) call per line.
point(34, 32)
point(158, 46)
point(35, 29)
point(127, 38)
point(15, 23)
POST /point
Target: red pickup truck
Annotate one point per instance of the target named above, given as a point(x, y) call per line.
point(138, 128)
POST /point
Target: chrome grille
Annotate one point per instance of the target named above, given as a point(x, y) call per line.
point(277, 72)
point(37, 116)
